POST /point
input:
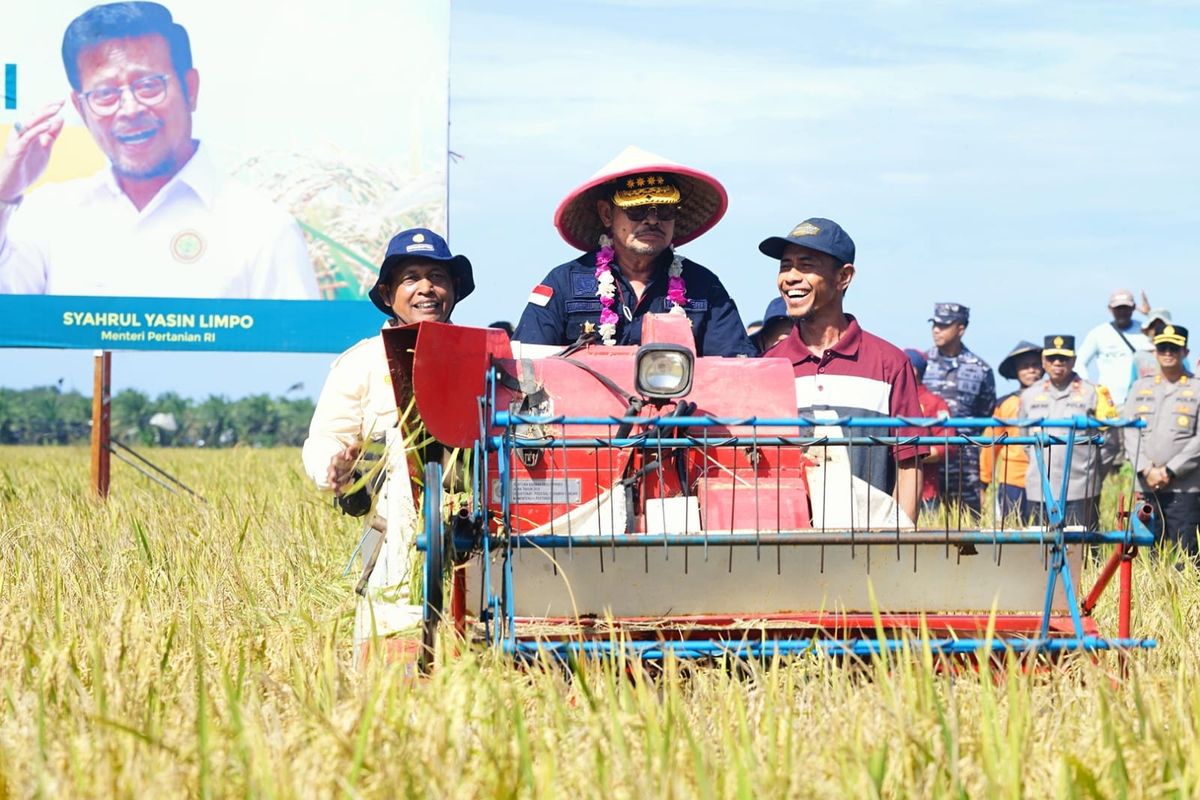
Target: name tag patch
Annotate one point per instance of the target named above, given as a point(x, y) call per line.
point(584, 285)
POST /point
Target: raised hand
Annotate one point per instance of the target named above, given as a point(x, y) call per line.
point(27, 151)
point(1145, 305)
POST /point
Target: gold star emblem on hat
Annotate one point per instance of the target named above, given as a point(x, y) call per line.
point(1169, 330)
point(641, 181)
point(629, 184)
point(1058, 341)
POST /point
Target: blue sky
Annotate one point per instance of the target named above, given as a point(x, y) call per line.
point(1022, 158)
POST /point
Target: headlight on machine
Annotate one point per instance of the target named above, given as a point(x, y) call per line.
point(664, 371)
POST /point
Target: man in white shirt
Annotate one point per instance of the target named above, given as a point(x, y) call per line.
point(160, 221)
point(1114, 345)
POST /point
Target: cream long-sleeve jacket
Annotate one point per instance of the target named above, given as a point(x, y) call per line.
point(356, 404)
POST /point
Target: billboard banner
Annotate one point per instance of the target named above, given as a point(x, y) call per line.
point(212, 175)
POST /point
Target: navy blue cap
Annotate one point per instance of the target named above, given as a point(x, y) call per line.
point(946, 313)
point(917, 359)
point(817, 233)
point(422, 243)
point(776, 309)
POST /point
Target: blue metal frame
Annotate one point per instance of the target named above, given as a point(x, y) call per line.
point(431, 508)
point(766, 648)
point(498, 615)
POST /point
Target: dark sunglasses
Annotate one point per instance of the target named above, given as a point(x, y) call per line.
point(1057, 357)
point(639, 213)
point(1167, 348)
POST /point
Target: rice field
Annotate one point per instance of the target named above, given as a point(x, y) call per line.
point(155, 646)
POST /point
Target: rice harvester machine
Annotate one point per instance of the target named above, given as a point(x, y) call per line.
point(646, 500)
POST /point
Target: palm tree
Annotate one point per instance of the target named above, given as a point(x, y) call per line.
point(131, 412)
point(208, 422)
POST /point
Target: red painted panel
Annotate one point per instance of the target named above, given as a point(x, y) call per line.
point(767, 504)
point(668, 329)
point(448, 367)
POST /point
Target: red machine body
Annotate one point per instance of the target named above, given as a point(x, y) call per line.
point(448, 373)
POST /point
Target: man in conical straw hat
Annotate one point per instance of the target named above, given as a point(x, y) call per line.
point(627, 219)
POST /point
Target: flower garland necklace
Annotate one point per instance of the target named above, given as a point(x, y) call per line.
point(607, 289)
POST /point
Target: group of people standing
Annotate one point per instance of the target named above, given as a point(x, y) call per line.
point(627, 220)
point(1143, 374)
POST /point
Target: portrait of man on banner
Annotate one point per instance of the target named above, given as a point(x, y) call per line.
point(159, 219)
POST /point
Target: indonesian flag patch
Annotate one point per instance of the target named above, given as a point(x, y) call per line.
point(541, 295)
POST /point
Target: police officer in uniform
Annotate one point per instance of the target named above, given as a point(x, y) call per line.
point(1167, 449)
point(966, 383)
point(1060, 394)
point(627, 220)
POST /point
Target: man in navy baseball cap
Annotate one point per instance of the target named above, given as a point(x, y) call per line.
point(841, 370)
point(968, 385)
point(815, 233)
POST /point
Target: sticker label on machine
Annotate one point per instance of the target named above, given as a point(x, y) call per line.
point(541, 491)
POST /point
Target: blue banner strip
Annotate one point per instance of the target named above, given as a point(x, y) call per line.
point(10, 87)
point(158, 323)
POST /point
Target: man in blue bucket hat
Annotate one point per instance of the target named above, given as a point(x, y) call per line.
point(419, 280)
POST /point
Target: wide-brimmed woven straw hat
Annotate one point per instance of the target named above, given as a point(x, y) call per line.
point(702, 203)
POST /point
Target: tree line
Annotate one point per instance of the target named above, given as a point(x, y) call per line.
point(48, 415)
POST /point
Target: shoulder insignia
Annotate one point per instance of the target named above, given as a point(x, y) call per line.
point(541, 295)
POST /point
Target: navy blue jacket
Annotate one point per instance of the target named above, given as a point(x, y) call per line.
point(572, 302)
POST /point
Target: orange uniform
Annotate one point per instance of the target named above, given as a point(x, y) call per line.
point(1007, 463)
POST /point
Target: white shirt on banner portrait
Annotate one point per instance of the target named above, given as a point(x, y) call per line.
point(203, 235)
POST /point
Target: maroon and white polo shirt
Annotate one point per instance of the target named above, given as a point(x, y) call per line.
point(860, 376)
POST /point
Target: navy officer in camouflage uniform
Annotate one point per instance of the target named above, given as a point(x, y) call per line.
point(966, 383)
point(626, 219)
point(1167, 449)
